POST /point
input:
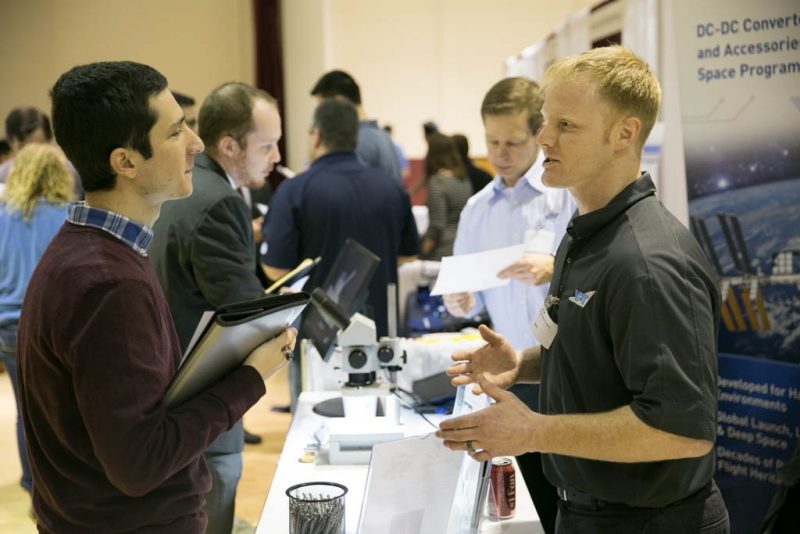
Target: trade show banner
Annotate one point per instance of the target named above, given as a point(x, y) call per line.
point(739, 79)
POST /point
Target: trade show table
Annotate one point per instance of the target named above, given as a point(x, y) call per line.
point(307, 428)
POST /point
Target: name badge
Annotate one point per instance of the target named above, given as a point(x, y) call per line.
point(539, 240)
point(543, 327)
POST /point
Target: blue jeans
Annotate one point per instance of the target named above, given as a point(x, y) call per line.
point(226, 469)
point(8, 353)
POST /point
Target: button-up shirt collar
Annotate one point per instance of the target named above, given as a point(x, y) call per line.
point(135, 235)
point(532, 179)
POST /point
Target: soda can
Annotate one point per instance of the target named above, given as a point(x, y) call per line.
point(503, 489)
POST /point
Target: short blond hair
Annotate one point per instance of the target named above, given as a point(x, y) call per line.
point(621, 77)
point(39, 171)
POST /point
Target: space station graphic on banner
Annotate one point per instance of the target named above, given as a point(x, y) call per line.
point(740, 100)
point(739, 79)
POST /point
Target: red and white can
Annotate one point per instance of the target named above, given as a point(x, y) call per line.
point(503, 489)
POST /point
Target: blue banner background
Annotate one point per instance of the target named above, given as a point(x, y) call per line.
point(747, 456)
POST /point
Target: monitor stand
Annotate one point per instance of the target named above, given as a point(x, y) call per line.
point(335, 408)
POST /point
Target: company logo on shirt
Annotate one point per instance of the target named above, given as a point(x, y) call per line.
point(581, 298)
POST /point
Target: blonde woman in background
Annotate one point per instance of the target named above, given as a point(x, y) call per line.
point(32, 209)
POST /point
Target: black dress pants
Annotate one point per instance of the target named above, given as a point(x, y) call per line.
point(543, 494)
point(703, 512)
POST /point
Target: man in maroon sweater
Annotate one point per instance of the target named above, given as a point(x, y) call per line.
point(97, 346)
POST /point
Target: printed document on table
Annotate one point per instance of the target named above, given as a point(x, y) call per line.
point(474, 272)
point(410, 486)
point(417, 485)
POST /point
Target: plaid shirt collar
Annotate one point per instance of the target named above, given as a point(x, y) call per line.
point(135, 235)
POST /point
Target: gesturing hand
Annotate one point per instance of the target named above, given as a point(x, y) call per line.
point(506, 428)
point(497, 360)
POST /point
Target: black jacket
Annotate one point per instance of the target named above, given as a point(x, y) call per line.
point(204, 255)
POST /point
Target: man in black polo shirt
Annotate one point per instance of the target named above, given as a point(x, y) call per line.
point(628, 357)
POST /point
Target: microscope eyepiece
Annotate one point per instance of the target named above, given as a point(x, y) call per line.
point(385, 355)
point(357, 359)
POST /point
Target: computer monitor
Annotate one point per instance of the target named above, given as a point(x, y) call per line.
point(346, 284)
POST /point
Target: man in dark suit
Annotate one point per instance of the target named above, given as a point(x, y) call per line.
point(203, 248)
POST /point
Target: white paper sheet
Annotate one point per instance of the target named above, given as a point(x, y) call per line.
point(474, 272)
point(418, 486)
point(410, 487)
point(198, 331)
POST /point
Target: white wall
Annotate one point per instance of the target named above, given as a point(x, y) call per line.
point(304, 40)
point(672, 186)
point(196, 44)
point(415, 60)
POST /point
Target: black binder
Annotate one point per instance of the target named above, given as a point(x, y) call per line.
point(222, 343)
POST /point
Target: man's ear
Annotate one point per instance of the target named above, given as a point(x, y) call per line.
point(626, 132)
point(316, 138)
point(228, 146)
point(123, 162)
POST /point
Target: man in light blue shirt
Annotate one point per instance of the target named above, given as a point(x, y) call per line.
point(501, 216)
point(515, 208)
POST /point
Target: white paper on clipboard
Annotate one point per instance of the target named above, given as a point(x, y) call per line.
point(410, 486)
point(416, 485)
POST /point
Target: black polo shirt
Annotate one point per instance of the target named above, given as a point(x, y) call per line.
point(637, 320)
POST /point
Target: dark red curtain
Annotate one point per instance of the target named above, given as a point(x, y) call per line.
point(269, 70)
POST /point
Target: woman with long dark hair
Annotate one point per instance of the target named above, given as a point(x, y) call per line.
point(449, 189)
